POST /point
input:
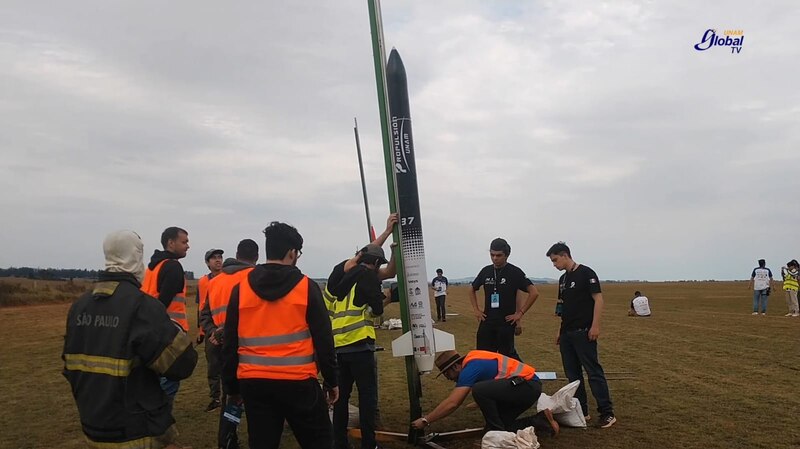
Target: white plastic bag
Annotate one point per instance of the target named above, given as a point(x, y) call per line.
point(566, 409)
point(392, 323)
point(523, 439)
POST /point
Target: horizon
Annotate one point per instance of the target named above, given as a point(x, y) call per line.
point(459, 279)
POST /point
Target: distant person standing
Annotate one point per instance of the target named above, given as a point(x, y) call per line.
point(500, 315)
point(118, 342)
point(277, 337)
point(165, 280)
point(791, 274)
point(640, 305)
point(439, 285)
point(213, 260)
point(579, 288)
point(761, 283)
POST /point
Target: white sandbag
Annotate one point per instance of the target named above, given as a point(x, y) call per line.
point(523, 439)
point(566, 409)
point(573, 417)
point(392, 323)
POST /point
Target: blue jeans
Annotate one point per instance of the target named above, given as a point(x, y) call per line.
point(170, 387)
point(578, 353)
point(760, 296)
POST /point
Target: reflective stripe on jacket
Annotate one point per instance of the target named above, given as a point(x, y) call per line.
point(177, 308)
point(274, 338)
point(219, 293)
point(350, 323)
point(117, 344)
point(506, 366)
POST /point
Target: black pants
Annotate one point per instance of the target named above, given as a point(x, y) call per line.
point(358, 367)
point(440, 312)
point(501, 402)
point(227, 437)
point(496, 338)
point(578, 353)
point(214, 361)
point(268, 403)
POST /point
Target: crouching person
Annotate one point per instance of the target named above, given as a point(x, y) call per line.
point(503, 388)
point(119, 342)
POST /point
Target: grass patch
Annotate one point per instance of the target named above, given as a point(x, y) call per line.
point(22, 291)
point(708, 374)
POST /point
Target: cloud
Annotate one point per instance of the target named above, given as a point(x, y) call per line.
point(595, 123)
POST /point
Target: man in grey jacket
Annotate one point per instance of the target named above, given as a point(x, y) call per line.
point(214, 313)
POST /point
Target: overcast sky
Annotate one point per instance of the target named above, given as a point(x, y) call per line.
point(594, 123)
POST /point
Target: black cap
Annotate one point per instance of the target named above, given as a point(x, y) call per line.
point(211, 252)
point(373, 252)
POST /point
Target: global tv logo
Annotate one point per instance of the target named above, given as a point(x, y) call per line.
point(732, 38)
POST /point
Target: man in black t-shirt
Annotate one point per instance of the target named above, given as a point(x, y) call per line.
point(579, 291)
point(499, 316)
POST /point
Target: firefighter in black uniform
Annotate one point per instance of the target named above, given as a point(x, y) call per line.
point(119, 342)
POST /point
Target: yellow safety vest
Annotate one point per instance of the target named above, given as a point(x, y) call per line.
point(350, 323)
point(790, 282)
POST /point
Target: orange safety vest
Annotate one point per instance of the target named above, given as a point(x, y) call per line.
point(202, 292)
point(506, 366)
point(219, 293)
point(177, 308)
point(274, 338)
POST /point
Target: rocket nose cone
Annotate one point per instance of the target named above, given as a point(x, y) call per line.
point(395, 65)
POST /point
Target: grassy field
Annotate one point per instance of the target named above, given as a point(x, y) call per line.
point(707, 374)
point(22, 291)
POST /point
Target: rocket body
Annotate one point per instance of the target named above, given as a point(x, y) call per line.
point(422, 340)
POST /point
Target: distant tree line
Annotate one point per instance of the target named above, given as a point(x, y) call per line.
point(57, 273)
point(48, 273)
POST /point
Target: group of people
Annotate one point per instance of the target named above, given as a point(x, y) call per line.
point(285, 350)
point(761, 283)
point(580, 306)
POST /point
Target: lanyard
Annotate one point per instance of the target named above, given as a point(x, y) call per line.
point(495, 277)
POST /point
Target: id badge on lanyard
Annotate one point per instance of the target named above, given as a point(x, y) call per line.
point(494, 300)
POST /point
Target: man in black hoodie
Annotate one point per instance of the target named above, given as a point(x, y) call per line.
point(353, 297)
point(164, 279)
point(277, 337)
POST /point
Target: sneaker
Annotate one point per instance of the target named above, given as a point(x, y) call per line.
point(213, 405)
point(788, 314)
point(796, 314)
point(606, 421)
point(763, 313)
point(754, 313)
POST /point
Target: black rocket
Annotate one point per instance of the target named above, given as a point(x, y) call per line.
point(422, 339)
